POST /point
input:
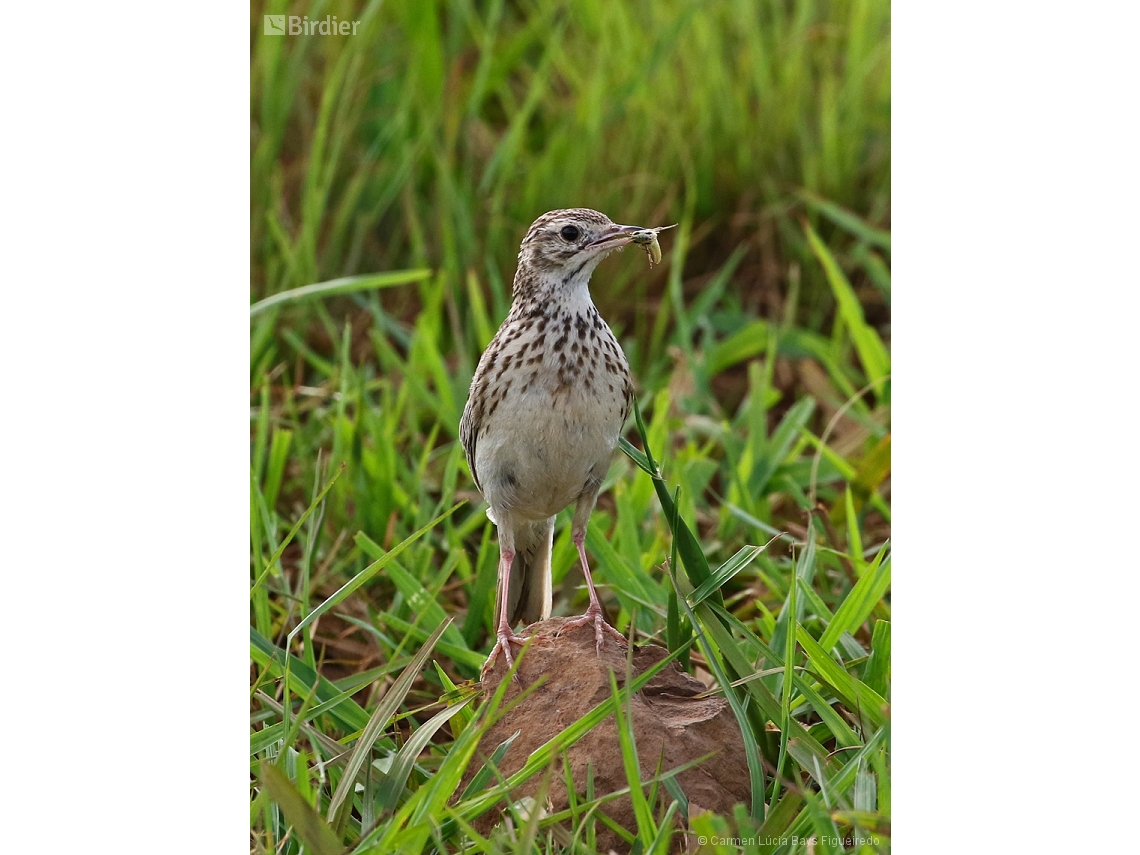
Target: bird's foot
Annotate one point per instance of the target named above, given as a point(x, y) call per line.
point(594, 615)
point(506, 637)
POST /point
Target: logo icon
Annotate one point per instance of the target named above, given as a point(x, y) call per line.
point(274, 25)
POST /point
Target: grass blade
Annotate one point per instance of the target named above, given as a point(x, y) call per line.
point(266, 654)
point(646, 828)
point(345, 285)
point(296, 528)
point(876, 361)
point(858, 697)
point(688, 547)
point(847, 220)
point(875, 675)
point(308, 824)
point(371, 570)
point(726, 571)
point(858, 604)
point(392, 786)
point(342, 797)
point(484, 775)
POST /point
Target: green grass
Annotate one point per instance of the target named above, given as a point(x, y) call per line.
point(393, 175)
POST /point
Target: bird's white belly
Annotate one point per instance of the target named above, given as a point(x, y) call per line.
point(546, 447)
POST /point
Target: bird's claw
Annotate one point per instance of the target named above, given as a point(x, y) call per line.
point(594, 616)
point(505, 639)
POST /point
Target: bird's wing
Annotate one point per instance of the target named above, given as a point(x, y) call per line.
point(628, 391)
point(469, 430)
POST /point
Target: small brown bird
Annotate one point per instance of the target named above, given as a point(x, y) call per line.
point(547, 403)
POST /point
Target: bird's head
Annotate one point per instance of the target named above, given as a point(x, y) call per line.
point(562, 248)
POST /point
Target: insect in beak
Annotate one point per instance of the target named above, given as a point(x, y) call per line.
point(619, 236)
point(647, 240)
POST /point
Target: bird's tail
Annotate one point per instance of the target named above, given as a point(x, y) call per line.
point(529, 594)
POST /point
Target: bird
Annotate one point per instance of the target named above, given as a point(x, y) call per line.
point(547, 404)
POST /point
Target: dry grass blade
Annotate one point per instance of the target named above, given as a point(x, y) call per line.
point(379, 720)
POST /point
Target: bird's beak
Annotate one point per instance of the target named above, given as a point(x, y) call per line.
point(615, 236)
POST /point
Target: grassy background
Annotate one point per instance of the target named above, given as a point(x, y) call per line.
point(403, 165)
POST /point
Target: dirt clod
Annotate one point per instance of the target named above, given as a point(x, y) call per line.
point(672, 724)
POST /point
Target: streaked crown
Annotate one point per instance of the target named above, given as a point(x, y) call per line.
point(557, 237)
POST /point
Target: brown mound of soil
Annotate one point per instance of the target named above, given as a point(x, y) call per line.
point(671, 724)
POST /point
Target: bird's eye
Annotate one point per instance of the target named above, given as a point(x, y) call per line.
point(570, 232)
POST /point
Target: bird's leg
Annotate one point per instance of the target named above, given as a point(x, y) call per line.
point(594, 611)
point(505, 635)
